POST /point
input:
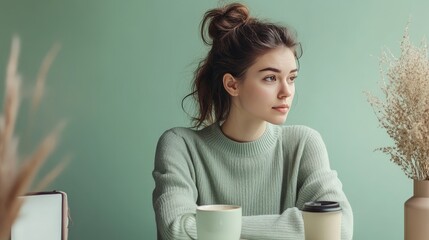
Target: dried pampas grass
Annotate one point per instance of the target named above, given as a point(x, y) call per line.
point(404, 110)
point(16, 176)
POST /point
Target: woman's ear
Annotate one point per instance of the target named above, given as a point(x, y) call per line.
point(230, 84)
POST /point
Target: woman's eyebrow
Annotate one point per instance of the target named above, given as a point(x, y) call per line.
point(270, 69)
point(276, 70)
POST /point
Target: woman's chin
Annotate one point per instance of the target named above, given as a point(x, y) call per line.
point(277, 121)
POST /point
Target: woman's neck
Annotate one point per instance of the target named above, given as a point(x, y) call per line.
point(243, 131)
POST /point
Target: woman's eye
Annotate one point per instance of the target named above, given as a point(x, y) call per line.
point(292, 79)
point(270, 78)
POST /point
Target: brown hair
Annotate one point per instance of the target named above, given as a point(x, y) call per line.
point(236, 41)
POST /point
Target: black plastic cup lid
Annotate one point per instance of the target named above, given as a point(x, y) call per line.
point(321, 206)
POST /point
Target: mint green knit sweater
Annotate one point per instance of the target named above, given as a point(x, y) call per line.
point(271, 178)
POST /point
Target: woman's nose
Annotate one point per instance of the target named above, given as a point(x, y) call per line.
point(285, 90)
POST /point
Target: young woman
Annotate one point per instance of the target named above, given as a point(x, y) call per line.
point(239, 153)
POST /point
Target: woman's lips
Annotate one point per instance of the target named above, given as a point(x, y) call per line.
point(284, 108)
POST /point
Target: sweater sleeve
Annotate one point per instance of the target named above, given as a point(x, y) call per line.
point(315, 181)
point(175, 194)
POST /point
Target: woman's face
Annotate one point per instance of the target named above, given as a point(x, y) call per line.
point(268, 87)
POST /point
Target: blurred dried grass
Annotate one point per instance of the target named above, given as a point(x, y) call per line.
point(17, 173)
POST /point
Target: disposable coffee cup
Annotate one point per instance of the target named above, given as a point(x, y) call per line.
point(218, 222)
point(322, 220)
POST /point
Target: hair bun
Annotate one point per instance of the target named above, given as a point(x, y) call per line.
point(223, 20)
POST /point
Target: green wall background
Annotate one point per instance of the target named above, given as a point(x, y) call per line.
point(125, 65)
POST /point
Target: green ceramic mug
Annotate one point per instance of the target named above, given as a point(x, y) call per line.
point(215, 222)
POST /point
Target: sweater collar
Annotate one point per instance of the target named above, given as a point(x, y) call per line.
point(216, 138)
